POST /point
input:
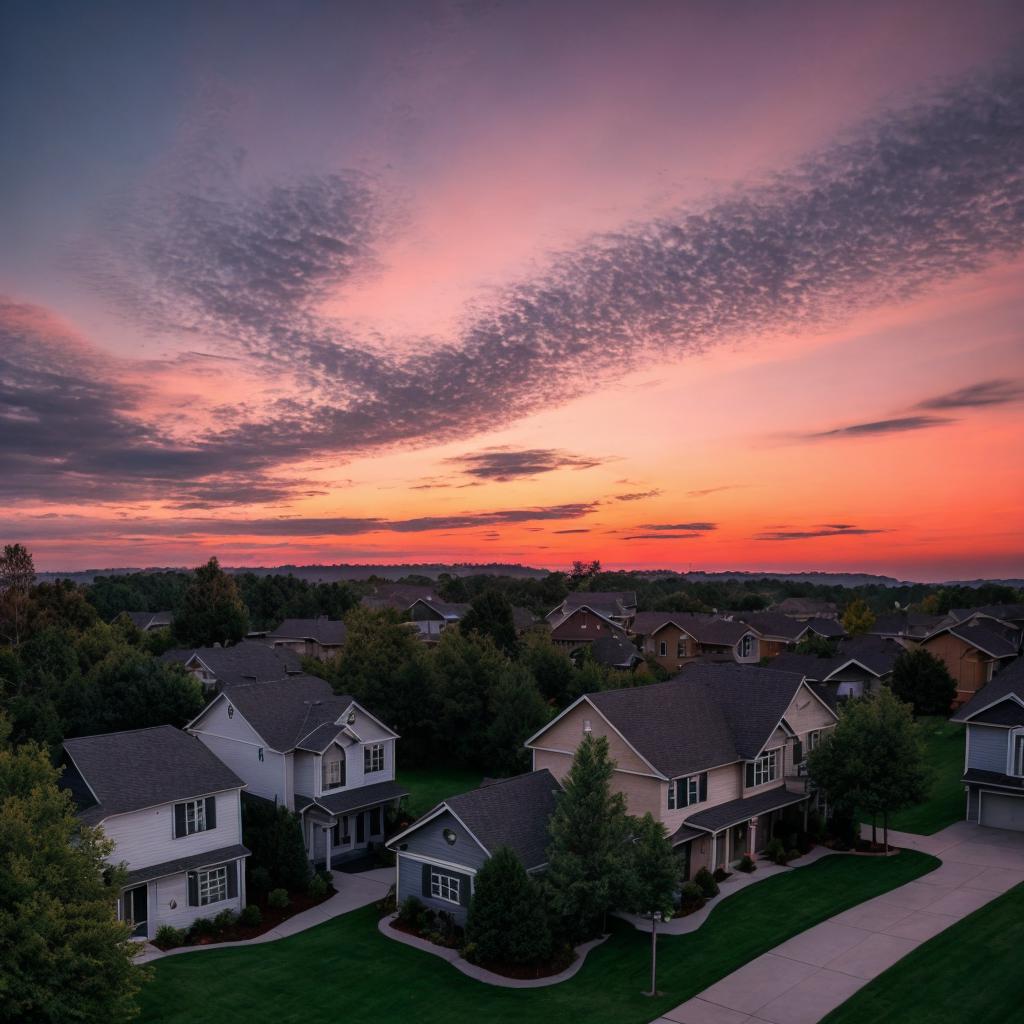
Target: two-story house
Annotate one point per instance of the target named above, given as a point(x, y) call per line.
point(319, 754)
point(316, 638)
point(432, 617)
point(437, 858)
point(173, 812)
point(973, 651)
point(861, 665)
point(715, 754)
point(251, 661)
point(674, 639)
point(616, 606)
point(994, 755)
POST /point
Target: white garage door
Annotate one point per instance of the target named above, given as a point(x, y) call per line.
point(999, 811)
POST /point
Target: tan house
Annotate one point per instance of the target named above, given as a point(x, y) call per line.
point(716, 754)
point(317, 638)
point(674, 639)
point(619, 606)
point(973, 652)
point(581, 626)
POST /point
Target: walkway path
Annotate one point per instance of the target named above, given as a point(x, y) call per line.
point(354, 891)
point(809, 975)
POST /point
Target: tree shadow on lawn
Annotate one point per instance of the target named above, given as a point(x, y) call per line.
point(347, 969)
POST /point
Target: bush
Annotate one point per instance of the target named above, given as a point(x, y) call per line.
point(746, 864)
point(278, 899)
point(470, 952)
point(410, 910)
point(259, 879)
point(426, 920)
point(317, 887)
point(274, 835)
point(707, 883)
point(815, 826)
point(691, 896)
point(775, 851)
point(792, 855)
point(225, 919)
point(251, 916)
point(721, 874)
point(167, 936)
point(203, 926)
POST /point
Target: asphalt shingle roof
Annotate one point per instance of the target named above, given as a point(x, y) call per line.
point(735, 811)
point(285, 713)
point(913, 624)
point(353, 799)
point(714, 630)
point(774, 625)
point(247, 662)
point(614, 651)
point(990, 639)
point(1007, 682)
point(511, 812)
point(140, 768)
point(197, 860)
point(147, 620)
point(322, 630)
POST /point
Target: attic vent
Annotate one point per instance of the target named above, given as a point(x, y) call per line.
point(231, 711)
point(351, 718)
point(449, 836)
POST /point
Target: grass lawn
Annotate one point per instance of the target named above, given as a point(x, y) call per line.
point(429, 786)
point(969, 972)
point(944, 756)
point(346, 970)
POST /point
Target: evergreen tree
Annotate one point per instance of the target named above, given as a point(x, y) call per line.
point(490, 615)
point(924, 682)
point(588, 855)
point(274, 835)
point(517, 711)
point(550, 667)
point(507, 922)
point(211, 610)
point(654, 872)
point(63, 954)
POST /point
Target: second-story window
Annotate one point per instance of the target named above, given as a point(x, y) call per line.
point(764, 770)
point(746, 646)
point(333, 773)
point(193, 816)
point(373, 758)
point(687, 791)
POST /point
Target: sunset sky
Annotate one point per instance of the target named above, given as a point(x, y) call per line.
point(693, 285)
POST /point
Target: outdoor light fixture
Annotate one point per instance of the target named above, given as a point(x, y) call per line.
point(449, 836)
point(231, 711)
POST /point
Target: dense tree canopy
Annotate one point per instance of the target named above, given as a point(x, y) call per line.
point(924, 682)
point(211, 609)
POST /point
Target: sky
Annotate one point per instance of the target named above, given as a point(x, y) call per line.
point(682, 285)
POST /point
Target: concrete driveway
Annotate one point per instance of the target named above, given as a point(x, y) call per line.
point(808, 976)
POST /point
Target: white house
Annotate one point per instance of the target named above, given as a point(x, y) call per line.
point(174, 814)
point(322, 755)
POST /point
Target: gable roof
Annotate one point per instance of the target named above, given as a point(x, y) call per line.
point(713, 630)
point(611, 603)
point(451, 611)
point(828, 628)
point(912, 624)
point(615, 651)
point(708, 715)
point(148, 620)
point(322, 630)
point(988, 638)
point(565, 615)
point(117, 772)
point(1012, 613)
point(774, 625)
point(875, 655)
point(806, 606)
point(507, 812)
point(250, 661)
point(1007, 684)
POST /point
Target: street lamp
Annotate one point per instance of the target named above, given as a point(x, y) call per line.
point(655, 916)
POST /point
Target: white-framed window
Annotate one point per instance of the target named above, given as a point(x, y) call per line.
point(445, 887)
point(663, 648)
point(813, 739)
point(681, 650)
point(686, 791)
point(373, 758)
point(195, 816)
point(764, 770)
point(746, 646)
point(332, 773)
point(213, 885)
point(1017, 754)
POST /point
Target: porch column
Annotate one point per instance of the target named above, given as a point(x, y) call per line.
point(752, 837)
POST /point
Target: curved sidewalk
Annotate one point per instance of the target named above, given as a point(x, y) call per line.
point(354, 891)
point(809, 975)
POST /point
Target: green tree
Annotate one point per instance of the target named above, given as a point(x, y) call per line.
point(924, 682)
point(549, 666)
point(588, 855)
point(816, 644)
point(517, 711)
point(858, 617)
point(63, 954)
point(507, 921)
point(211, 610)
point(872, 760)
point(274, 835)
point(17, 574)
point(490, 615)
point(581, 574)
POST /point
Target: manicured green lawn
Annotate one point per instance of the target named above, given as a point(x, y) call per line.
point(944, 756)
point(970, 972)
point(429, 786)
point(346, 970)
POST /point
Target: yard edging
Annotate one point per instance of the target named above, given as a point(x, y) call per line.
point(479, 973)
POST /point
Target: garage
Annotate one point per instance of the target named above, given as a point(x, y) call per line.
point(1001, 811)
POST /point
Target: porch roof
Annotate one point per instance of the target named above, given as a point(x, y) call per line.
point(174, 867)
point(714, 819)
point(352, 799)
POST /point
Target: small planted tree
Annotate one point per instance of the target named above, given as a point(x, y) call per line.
point(858, 617)
point(924, 682)
point(507, 922)
point(274, 836)
point(588, 855)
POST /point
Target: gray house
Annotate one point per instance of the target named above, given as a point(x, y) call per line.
point(994, 759)
point(250, 661)
point(438, 857)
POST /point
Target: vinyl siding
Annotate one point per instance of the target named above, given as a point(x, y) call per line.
point(304, 772)
point(174, 888)
point(428, 841)
point(146, 837)
point(724, 784)
point(410, 883)
point(987, 748)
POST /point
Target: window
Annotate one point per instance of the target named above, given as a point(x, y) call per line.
point(663, 648)
point(333, 773)
point(191, 817)
point(687, 791)
point(765, 769)
point(339, 832)
point(213, 885)
point(813, 739)
point(373, 758)
point(682, 646)
point(1018, 754)
point(746, 646)
point(445, 887)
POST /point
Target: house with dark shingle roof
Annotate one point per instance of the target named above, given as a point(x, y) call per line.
point(437, 858)
point(172, 810)
point(618, 606)
point(316, 638)
point(323, 755)
point(251, 661)
point(432, 616)
point(716, 754)
point(806, 608)
point(993, 775)
point(973, 651)
point(860, 665)
point(674, 639)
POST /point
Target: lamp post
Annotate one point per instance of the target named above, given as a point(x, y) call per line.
point(655, 916)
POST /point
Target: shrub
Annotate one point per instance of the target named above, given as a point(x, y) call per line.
point(721, 874)
point(225, 919)
point(251, 916)
point(203, 926)
point(259, 879)
point(389, 904)
point(792, 855)
point(775, 851)
point(426, 919)
point(469, 952)
point(707, 883)
point(410, 910)
point(815, 825)
point(167, 936)
point(317, 887)
point(691, 896)
point(278, 899)
point(274, 835)
point(746, 864)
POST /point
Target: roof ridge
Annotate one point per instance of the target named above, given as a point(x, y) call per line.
point(126, 732)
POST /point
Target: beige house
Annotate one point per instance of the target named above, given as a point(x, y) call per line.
point(716, 754)
point(973, 652)
point(674, 639)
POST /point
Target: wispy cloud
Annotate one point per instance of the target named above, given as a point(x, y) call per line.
point(700, 527)
point(662, 536)
point(896, 425)
point(976, 396)
point(825, 530)
point(637, 495)
point(503, 464)
point(714, 490)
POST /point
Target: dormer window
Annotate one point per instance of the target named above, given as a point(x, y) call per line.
point(746, 646)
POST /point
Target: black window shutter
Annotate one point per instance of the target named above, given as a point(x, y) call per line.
point(750, 773)
point(703, 786)
point(211, 812)
point(179, 822)
point(233, 879)
point(426, 879)
point(193, 889)
point(798, 752)
point(465, 885)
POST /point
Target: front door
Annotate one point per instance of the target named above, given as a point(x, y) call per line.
point(361, 827)
point(739, 841)
point(136, 910)
point(684, 852)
